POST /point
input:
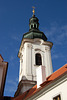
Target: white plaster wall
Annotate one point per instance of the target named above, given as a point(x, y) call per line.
point(21, 69)
point(29, 61)
point(48, 61)
point(45, 52)
point(29, 67)
point(40, 71)
point(61, 89)
point(23, 63)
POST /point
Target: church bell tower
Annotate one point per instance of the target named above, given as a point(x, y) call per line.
point(34, 51)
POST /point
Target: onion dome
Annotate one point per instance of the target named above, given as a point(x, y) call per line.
point(34, 31)
point(33, 23)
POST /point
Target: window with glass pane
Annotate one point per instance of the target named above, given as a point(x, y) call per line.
point(57, 98)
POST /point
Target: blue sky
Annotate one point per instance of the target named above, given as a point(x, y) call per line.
point(14, 22)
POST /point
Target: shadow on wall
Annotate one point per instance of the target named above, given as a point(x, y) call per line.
point(24, 78)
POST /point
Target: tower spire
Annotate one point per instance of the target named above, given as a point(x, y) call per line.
point(33, 10)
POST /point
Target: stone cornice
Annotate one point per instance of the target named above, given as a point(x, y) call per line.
point(41, 42)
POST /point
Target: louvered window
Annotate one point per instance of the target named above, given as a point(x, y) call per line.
point(38, 59)
point(34, 26)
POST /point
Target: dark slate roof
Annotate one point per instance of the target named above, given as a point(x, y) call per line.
point(35, 34)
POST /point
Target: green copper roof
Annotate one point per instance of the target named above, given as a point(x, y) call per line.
point(34, 31)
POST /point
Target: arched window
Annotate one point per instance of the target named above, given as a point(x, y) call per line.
point(38, 59)
point(31, 26)
point(34, 26)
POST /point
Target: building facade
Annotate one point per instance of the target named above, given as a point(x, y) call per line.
point(34, 51)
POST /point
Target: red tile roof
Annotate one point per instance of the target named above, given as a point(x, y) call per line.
point(56, 74)
point(49, 79)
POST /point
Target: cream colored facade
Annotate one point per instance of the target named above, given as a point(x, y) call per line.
point(27, 52)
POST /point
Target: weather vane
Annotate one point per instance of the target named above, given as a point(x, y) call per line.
point(33, 10)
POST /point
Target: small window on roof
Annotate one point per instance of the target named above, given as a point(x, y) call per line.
point(57, 98)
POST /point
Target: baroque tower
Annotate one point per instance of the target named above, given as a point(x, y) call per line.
point(34, 51)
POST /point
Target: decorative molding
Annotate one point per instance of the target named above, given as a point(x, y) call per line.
point(47, 48)
point(38, 42)
point(29, 45)
point(42, 42)
point(21, 56)
point(38, 49)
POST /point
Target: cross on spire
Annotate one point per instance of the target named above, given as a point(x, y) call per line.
point(33, 10)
